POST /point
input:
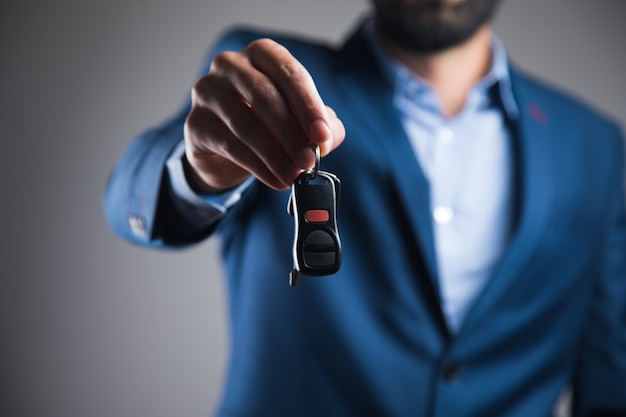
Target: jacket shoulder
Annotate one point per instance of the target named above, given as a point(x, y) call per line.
point(238, 37)
point(561, 103)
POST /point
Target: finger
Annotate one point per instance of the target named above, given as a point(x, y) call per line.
point(246, 126)
point(235, 72)
point(208, 152)
point(296, 84)
point(339, 133)
point(250, 129)
point(222, 106)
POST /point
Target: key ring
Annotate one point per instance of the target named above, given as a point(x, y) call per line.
point(316, 168)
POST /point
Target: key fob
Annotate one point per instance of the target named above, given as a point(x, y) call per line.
point(313, 205)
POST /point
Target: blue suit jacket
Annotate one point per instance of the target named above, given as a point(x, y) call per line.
point(372, 340)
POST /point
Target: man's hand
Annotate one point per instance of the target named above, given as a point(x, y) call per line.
point(257, 113)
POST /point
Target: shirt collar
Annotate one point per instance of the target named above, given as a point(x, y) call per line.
point(407, 83)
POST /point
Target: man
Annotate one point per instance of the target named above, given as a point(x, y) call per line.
point(481, 216)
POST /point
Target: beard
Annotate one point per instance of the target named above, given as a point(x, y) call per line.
point(427, 26)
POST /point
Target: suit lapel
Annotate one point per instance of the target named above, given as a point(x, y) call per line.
point(372, 98)
point(534, 149)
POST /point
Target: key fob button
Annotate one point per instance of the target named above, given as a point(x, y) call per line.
point(319, 259)
point(319, 238)
point(317, 216)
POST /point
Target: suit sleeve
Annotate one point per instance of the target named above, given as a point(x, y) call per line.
point(139, 203)
point(600, 386)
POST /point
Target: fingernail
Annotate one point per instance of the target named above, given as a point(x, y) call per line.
point(305, 158)
point(319, 131)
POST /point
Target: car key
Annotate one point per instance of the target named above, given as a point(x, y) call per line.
point(313, 204)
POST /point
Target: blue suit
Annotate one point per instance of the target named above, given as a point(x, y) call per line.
point(372, 340)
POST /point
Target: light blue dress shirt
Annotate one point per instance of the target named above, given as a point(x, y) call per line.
point(467, 161)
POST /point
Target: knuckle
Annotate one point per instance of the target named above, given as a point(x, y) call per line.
point(263, 93)
point(193, 130)
point(201, 131)
point(260, 45)
point(199, 89)
point(192, 122)
point(226, 148)
point(293, 70)
point(223, 61)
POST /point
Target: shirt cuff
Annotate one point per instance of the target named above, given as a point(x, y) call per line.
point(198, 208)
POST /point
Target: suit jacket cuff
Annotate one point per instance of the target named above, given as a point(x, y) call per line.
point(198, 209)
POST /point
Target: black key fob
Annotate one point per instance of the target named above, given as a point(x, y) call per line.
point(313, 205)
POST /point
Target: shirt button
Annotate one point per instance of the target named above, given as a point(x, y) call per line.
point(451, 372)
point(445, 135)
point(443, 215)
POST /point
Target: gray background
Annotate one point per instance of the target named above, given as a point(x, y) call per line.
point(91, 326)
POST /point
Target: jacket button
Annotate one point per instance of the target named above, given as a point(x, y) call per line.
point(451, 372)
point(137, 225)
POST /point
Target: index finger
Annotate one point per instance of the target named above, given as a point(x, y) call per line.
point(296, 85)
